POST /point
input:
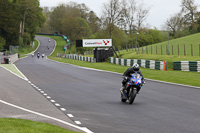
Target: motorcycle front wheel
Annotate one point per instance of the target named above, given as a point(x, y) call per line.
point(132, 95)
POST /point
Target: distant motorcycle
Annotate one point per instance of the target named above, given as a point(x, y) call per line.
point(131, 88)
point(42, 55)
point(38, 55)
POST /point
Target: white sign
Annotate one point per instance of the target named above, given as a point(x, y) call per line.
point(97, 42)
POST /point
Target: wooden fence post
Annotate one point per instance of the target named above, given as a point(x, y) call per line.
point(138, 49)
point(147, 50)
point(178, 49)
point(156, 49)
point(184, 50)
point(142, 49)
point(166, 50)
point(191, 50)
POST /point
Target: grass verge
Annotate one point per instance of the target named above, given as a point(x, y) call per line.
point(28, 49)
point(180, 77)
point(13, 69)
point(10, 125)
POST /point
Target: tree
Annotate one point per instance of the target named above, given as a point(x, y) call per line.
point(189, 8)
point(112, 12)
point(2, 43)
point(129, 10)
point(75, 28)
point(94, 22)
point(141, 15)
point(9, 24)
point(175, 24)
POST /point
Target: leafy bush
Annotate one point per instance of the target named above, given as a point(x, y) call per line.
point(2, 43)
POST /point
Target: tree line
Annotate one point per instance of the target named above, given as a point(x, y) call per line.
point(19, 20)
point(121, 20)
point(186, 21)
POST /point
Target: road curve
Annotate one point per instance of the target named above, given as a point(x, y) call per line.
point(93, 98)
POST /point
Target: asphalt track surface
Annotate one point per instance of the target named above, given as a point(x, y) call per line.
point(93, 98)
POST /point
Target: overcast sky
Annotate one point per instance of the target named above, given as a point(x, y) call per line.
point(159, 11)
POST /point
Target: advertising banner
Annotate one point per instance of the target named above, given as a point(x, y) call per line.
point(97, 42)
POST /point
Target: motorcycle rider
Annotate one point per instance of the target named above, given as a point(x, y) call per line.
point(127, 76)
point(38, 54)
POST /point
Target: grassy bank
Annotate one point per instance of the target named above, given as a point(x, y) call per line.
point(28, 49)
point(9, 125)
point(175, 46)
point(187, 78)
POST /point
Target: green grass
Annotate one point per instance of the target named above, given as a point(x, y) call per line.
point(12, 68)
point(28, 49)
point(10, 125)
point(168, 76)
point(187, 41)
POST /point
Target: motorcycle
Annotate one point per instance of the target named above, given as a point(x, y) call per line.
point(42, 55)
point(38, 55)
point(131, 88)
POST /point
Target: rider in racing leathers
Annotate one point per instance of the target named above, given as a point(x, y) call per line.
point(127, 75)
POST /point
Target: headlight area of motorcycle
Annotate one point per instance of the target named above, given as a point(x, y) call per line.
point(140, 81)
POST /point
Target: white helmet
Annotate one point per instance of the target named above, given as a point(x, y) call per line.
point(136, 67)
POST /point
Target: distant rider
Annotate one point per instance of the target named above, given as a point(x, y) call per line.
point(127, 76)
point(38, 54)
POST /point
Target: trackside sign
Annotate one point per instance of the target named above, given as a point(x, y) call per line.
point(97, 42)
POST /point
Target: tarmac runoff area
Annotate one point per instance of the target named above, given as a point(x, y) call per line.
point(19, 99)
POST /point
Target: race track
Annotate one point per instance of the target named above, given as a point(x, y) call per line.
point(93, 98)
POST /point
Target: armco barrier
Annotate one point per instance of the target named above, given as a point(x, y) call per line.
point(158, 65)
point(76, 57)
point(187, 66)
point(11, 59)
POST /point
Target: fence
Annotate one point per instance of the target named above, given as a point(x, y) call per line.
point(76, 57)
point(176, 49)
point(152, 64)
point(187, 66)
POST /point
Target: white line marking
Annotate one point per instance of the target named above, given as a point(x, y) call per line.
point(57, 104)
point(48, 97)
point(42, 91)
point(46, 116)
point(15, 73)
point(70, 115)
point(77, 122)
point(39, 89)
point(29, 82)
point(25, 78)
point(63, 109)
point(45, 94)
point(32, 84)
point(52, 101)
